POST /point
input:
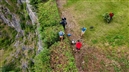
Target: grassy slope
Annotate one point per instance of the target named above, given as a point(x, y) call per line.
point(89, 13)
point(56, 56)
point(112, 37)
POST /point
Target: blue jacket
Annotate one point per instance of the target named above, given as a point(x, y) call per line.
point(83, 29)
point(61, 33)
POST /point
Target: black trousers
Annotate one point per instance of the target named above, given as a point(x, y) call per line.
point(64, 26)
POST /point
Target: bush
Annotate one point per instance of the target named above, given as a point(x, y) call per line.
point(106, 17)
point(50, 35)
point(42, 61)
point(48, 14)
point(7, 36)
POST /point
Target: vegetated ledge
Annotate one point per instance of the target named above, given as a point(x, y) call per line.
point(56, 55)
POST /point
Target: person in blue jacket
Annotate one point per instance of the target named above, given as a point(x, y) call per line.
point(83, 31)
point(61, 35)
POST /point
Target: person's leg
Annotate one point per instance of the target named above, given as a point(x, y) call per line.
point(82, 33)
point(77, 50)
point(61, 38)
point(110, 19)
point(64, 26)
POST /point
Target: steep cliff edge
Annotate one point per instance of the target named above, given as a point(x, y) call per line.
point(30, 43)
point(18, 36)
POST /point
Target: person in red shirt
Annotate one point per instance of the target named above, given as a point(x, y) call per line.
point(111, 15)
point(78, 45)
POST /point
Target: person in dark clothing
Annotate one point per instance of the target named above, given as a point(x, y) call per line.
point(63, 22)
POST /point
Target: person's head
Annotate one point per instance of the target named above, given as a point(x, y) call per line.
point(64, 18)
point(78, 40)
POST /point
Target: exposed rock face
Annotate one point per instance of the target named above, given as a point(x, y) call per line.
point(21, 1)
point(14, 21)
point(34, 20)
point(31, 13)
point(22, 50)
point(24, 46)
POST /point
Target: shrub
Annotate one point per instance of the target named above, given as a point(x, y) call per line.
point(50, 35)
point(106, 17)
point(42, 61)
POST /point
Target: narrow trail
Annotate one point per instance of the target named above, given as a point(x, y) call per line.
point(90, 58)
point(72, 28)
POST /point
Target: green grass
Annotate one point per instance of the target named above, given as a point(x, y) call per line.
point(89, 13)
point(112, 38)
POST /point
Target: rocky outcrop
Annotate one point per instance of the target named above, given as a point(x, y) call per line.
point(22, 50)
point(32, 14)
point(13, 21)
point(34, 20)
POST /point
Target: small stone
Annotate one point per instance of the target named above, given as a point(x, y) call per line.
point(83, 62)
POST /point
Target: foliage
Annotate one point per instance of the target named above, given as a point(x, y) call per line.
point(42, 61)
point(50, 35)
point(10, 67)
point(49, 22)
point(48, 14)
point(106, 17)
point(36, 2)
point(49, 28)
point(7, 36)
point(61, 52)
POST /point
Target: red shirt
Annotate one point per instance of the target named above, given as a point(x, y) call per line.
point(78, 45)
point(111, 14)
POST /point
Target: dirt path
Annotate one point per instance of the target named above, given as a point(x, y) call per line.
point(94, 56)
point(72, 28)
